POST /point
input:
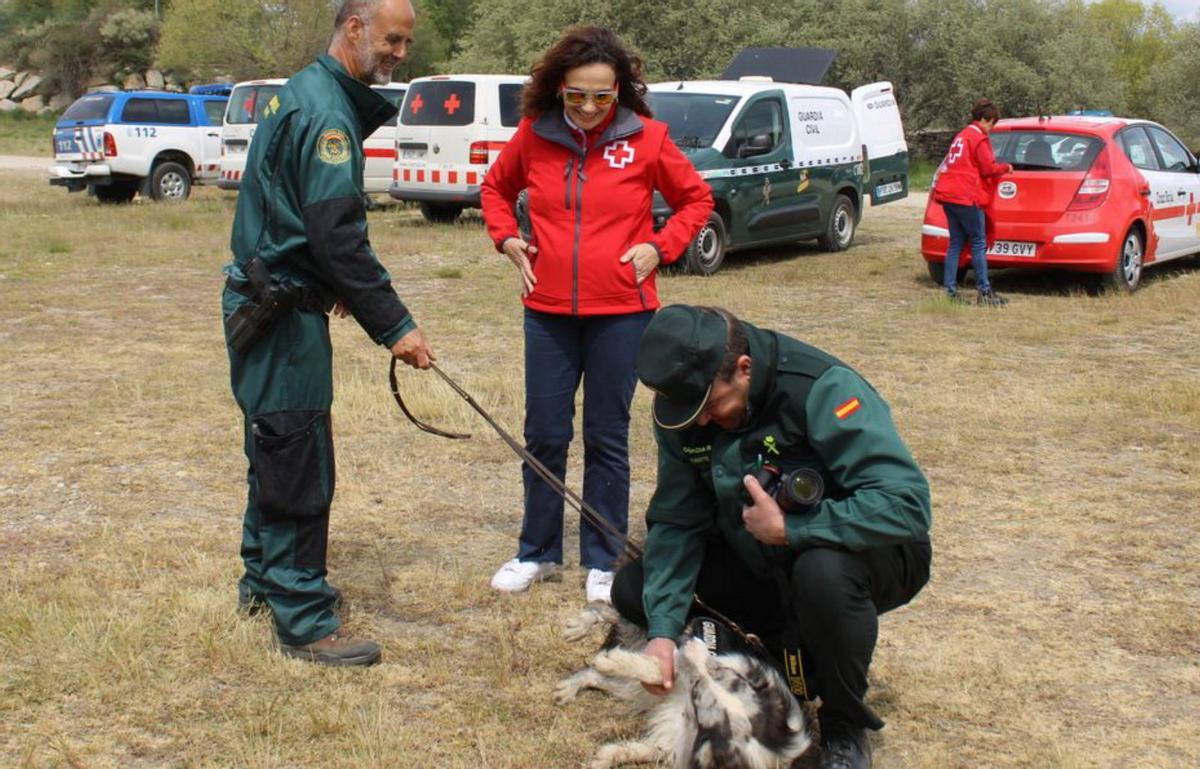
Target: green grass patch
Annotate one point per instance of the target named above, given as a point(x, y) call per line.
point(920, 174)
point(449, 273)
point(59, 247)
point(24, 134)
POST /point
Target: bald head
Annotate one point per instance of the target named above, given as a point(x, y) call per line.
point(371, 37)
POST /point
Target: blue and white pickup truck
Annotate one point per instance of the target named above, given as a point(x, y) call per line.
point(118, 144)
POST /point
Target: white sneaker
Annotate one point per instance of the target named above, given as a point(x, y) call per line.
point(599, 586)
point(516, 576)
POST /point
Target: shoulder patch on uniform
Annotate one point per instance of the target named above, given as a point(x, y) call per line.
point(333, 147)
point(847, 408)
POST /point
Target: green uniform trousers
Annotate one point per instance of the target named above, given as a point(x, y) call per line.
point(284, 386)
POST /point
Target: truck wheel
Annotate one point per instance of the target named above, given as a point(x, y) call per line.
point(115, 193)
point(1127, 274)
point(707, 251)
point(170, 181)
point(937, 271)
point(440, 213)
point(839, 232)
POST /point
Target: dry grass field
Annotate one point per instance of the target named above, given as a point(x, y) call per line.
point(1061, 437)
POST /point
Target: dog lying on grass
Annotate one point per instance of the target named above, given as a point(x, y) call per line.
point(729, 710)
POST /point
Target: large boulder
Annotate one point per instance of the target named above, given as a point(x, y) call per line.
point(60, 101)
point(33, 103)
point(106, 88)
point(154, 79)
point(19, 77)
point(27, 87)
point(6, 88)
point(133, 82)
point(8, 105)
point(6, 72)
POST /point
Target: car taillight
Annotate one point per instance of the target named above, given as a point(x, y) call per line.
point(1094, 189)
point(110, 145)
point(479, 153)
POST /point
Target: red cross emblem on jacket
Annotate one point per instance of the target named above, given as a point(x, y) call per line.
point(619, 154)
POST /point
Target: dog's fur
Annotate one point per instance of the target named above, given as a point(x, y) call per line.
point(726, 711)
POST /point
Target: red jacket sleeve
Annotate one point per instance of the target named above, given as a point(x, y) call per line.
point(502, 185)
point(687, 194)
point(985, 160)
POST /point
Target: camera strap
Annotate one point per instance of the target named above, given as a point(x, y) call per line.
point(629, 548)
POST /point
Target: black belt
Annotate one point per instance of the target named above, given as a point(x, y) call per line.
point(309, 300)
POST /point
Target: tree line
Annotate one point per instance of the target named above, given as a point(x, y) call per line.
point(1029, 56)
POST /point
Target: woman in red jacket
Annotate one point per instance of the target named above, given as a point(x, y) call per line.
point(591, 158)
point(963, 187)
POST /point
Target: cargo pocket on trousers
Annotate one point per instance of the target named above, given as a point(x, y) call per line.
point(293, 460)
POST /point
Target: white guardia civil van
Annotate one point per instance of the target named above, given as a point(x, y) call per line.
point(246, 109)
point(452, 127)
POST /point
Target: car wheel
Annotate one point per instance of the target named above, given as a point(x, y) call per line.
point(115, 193)
point(707, 251)
point(1128, 271)
point(170, 181)
point(937, 272)
point(440, 213)
point(839, 232)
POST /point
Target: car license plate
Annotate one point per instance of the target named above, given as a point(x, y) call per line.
point(410, 154)
point(1012, 248)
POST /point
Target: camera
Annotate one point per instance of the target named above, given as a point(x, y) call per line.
point(795, 490)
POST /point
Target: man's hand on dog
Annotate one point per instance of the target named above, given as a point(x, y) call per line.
point(663, 650)
point(763, 519)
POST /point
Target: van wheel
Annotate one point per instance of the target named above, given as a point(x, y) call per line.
point(937, 272)
point(115, 193)
point(1128, 272)
point(840, 230)
point(440, 213)
point(170, 181)
point(707, 251)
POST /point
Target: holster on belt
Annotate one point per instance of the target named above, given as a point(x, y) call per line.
point(267, 301)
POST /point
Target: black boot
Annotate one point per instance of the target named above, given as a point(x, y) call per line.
point(844, 747)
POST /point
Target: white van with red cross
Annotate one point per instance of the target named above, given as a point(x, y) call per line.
point(451, 129)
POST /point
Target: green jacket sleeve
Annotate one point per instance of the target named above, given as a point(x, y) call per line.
point(678, 521)
point(335, 224)
point(850, 427)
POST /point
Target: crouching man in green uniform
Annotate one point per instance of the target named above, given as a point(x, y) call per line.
point(807, 568)
point(300, 249)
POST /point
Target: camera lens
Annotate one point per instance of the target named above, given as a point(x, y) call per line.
point(804, 486)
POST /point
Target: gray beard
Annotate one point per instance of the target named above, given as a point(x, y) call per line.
point(368, 65)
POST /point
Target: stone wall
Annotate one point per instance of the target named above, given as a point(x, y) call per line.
point(30, 92)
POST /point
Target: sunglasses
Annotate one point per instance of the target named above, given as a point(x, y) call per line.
point(577, 98)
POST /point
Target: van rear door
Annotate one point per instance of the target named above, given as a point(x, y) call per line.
point(885, 153)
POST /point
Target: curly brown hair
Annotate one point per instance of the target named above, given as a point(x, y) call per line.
point(983, 109)
point(579, 47)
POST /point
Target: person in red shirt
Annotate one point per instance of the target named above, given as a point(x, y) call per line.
point(590, 157)
point(964, 188)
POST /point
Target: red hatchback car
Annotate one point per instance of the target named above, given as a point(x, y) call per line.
point(1094, 194)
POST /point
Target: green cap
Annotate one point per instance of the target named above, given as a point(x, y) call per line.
point(678, 359)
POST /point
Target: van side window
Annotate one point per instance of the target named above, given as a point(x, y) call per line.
point(510, 104)
point(214, 110)
point(1138, 149)
point(1175, 156)
point(139, 111)
point(764, 117)
point(174, 111)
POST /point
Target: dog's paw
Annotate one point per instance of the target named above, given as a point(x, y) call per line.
point(621, 753)
point(566, 690)
point(594, 615)
point(620, 663)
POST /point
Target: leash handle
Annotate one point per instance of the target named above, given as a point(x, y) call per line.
point(420, 425)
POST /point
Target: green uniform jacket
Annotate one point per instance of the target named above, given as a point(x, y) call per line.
point(301, 208)
point(806, 408)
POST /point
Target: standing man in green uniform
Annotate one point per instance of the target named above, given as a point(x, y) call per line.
point(300, 249)
point(734, 404)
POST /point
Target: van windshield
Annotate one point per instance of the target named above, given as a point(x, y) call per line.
point(694, 119)
point(94, 107)
point(1045, 150)
point(247, 102)
point(439, 103)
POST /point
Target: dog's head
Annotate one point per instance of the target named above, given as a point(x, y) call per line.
point(745, 716)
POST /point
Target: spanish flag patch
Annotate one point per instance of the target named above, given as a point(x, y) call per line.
point(847, 408)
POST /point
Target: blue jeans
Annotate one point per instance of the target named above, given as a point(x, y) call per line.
point(560, 351)
point(966, 224)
